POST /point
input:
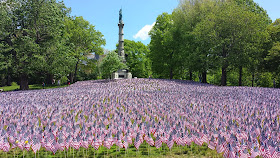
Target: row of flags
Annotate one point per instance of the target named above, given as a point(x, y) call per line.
point(235, 121)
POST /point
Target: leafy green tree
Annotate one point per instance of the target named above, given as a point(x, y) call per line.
point(273, 50)
point(83, 39)
point(88, 70)
point(194, 51)
point(30, 28)
point(255, 61)
point(254, 7)
point(111, 63)
point(136, 58)
point(164, 51)
point(5, 57)
point(232, 33)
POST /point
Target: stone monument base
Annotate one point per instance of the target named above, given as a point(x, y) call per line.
point(121, 74)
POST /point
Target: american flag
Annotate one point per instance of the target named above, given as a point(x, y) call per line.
point(170, 141)
point(276, 154)
point(125, 143)
point(158, 142)
point(221, 145)
point(180, 139)
point(137, 141)
point(149, 139)
point(119, 142)
point(229, 152)
point(60, 142)
point(5, 145)
point(244, 154)
point(212, 143)
point(107, 144)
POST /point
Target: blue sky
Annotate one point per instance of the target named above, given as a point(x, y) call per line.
point(138, 16)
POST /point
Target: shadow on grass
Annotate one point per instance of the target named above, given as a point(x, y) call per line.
point(144, 151)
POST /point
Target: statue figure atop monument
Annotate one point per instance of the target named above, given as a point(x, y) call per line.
point(120, 16)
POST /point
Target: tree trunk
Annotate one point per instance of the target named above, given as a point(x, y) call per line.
point(49, 78)
point(24, 82)
point(224, 69)
point(171, 73)
point(9, 81)
point(240, 76)
point(253, 78)
point(224, 76)
point(71, 77)
point(75, 73)
point(190, 73)
point(2, 80)
point(204, 75)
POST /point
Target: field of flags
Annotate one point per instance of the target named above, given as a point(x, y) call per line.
point(236, 121)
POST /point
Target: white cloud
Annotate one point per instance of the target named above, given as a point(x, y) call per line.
point(143, 33)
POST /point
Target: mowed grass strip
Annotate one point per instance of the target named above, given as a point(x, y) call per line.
point(144, 151)
point(31, 87)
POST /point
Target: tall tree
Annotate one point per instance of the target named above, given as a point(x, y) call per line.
point(242, 61)
point(83, 39)
point(273, 50)
point(32, 26)
point(186, 17)
point(164, 52)
point(229, 30)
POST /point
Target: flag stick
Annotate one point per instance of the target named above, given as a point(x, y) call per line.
point(191, 149)
point(170, 151)
point(83, 152)
point(64, 153)
point(148, 150)
point(73, 152)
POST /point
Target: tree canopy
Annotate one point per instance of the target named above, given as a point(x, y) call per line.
point(40, 40)
point(204, 36)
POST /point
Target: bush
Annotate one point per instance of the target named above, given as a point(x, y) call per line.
point(14, 84)
point(63, 80)
point(265, 80)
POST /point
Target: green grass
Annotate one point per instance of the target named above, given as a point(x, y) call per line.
point(177, 151)
point(31, 87)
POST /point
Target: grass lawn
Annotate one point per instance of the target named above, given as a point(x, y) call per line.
point(177, 151)
point(31, 87)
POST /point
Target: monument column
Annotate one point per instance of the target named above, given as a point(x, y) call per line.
point(121, 73)
point(121, 39)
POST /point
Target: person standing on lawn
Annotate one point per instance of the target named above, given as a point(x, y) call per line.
point(43, 84)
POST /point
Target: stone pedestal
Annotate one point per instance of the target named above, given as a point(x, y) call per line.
point(121, 74)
